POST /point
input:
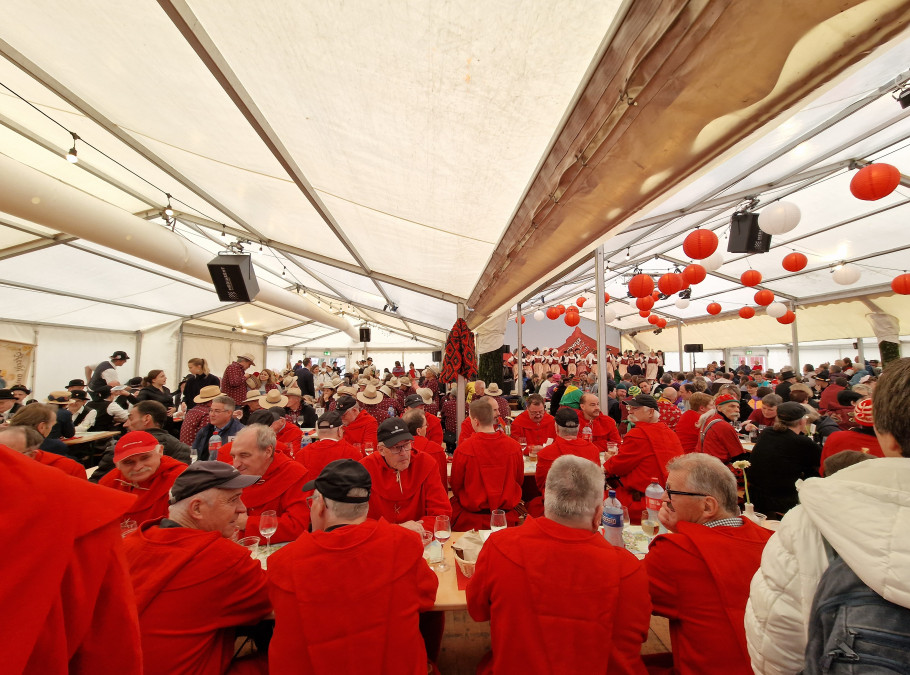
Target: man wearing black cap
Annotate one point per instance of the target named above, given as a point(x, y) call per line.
point(407, 489)
point(105, 373)
point(8, 405)
point(644, 453)
point(193, 584)
point(347, 596)
point(434, 426)
point(359, 426)
point(75, 385)
point(567, 442)
point(330, 446)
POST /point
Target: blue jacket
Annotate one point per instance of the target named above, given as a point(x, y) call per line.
point(201, 442)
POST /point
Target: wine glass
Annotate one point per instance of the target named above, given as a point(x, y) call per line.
point(523, 441)
point(498, 520)
point(442, 531)
point(268, 524)
point(368, 447)
point(648, 526)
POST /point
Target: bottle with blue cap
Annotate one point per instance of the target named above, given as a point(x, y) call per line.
point(612, 520)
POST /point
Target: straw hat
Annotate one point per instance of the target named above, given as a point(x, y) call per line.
point(385, 389)
point(293, 391)
point(404, 381)
point(394, 383)
point(430, 370)
point(273, 399)
point(345, 391)
point(207, 393)
point(288, 379)
point(493, 389)
point(58, 397)
point(252, 395)
point(336, 381)
point(370, 395)
point(426, 395)
point(247, 357)
point(362, 381)
point(375, 382)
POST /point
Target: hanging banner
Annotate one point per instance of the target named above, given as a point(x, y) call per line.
point(15, 362)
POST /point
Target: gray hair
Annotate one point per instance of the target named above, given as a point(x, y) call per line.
point(181, 507)
point(346, 511)
point(265, 436)
point(574, 489)
point(707, 474)
point(226, 401)
point(771, 399)
point(566, 432)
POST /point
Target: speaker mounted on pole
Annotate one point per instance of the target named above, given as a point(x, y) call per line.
point(693, 348)
point(437, 357)
point(364, 334)
point(746, 236)
point(234, 278)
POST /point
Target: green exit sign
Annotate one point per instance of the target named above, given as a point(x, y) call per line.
point(748, 351)
point(330, 353)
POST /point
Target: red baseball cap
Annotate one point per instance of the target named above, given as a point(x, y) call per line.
point(134, 443)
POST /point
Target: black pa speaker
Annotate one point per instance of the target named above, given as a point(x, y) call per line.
point(234, 278)
point(437, 357)
point(746, 236)
point(364, 334)
point(505, 350)
point(693, 348)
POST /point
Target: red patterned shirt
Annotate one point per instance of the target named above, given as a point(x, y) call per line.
point(233, 383)
point(669, 413)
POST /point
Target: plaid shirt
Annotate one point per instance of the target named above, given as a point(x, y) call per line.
point(736, 521)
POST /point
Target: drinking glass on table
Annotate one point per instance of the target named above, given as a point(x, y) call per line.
point(268, 525)
point(523, 441)
point(368, 447)
point(612, 449)
point(649, 527)
point(442, 532)
point(498, 520)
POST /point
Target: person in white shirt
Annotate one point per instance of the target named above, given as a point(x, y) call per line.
point(545, 386)
point(119, 407)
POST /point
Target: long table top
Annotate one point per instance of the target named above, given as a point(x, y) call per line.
point(89, 436)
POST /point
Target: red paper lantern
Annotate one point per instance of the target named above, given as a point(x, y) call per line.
point(646, 302)
point(655, 294)
point(694, 274)
point(875, 181)
point(747, 312)
point(561, 309)
point(662, 324)
point(522, 319)
point(714, 308)
point(641, 285)
point(653, 319)
point(901, 284)
point(670, 283)
point(580, 302)
point(606, 297)
point(751, 278)
point(572, 318)
point(699, 244)
point(644, 314)
point(789, 317)
point(794, 262)
point(764, 298)
point(552, 313)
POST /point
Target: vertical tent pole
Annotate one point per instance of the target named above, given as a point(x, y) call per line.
point(861, 352)
point(462, 385)
point(682, 366)
point(520, 384)
point(795, 339)
point(602, 386)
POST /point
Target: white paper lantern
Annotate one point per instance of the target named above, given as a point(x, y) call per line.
point(713, 262)
point(846, 275)
point(779, 218)
point(608, 315)
point(681, 303)
point(776, 310)
point(539, 315)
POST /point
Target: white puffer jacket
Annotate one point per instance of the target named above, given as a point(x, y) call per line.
point(864, 513)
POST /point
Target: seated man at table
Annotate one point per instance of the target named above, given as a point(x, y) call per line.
point(559, 597)
point(270, 417)
point(221, 421)
point(27, 441)
point(287, 433)
point(434, 426)
point(766, 415)
point(700, 572)
point(603, 428)
point(140, 469)
point(406, 489)
point(330, 446)
point(148, 416)
point(359, 426)
point(347, 596)
point(716, 435)
point(487, 472)
point(67, 601)
point(416, 421)
point(645, 451)
point(567, 443)
point(193, 584)
point(535, 425)
point(278, 489)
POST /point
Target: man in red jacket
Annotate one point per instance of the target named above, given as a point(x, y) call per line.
point(27, 441)
point(603, 428)
point(535, 425)
point(359, 426)
point(406, 488)
point(567, 443)
point(644, 454)
point(330, 446)
point(434, 426)
point(331, 617)
point(66, 597)
point(416, 421)
point(589, 617)
point(143, 471)
point(487, 472)
point(192, 584)
point(687, 427)
point(278, 489)
point(700, 573)
point(716, 435)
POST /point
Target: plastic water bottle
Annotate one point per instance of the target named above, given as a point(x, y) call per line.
point(214, 446)
point(612, 519)
point(392, 411)
point(587, 433)
point(653, 495)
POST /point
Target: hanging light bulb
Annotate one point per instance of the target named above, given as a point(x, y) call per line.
point(168, 211)
point(71, 156)
point(628, 253)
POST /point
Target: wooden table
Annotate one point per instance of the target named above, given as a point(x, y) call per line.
point(448, 597)
point(90, 436)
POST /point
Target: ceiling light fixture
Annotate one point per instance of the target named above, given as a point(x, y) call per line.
point(72, 157)
point(168, 211)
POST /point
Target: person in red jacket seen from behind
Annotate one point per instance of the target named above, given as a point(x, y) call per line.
point(862, 437)
point(487, 472)
point(434, 426)
point(567, 443)
point(193, 585)
point(687, 426)
point(535, 425)
point(347, 596)
point(416, 420)
point(27, 441)
point(644, 454)
point(330, 446)
point(700, 573)
point(548, 578)
point(603, 428)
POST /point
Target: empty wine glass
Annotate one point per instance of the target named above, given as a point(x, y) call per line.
point(442, 531)
point(498, 520)
point(268, 524)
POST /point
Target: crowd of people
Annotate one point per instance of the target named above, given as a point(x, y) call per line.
point(189, 473)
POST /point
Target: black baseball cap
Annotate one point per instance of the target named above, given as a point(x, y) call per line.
point(345, 403)
point(392, 431)
point(791, 411)
point(265, 416)
point(120, 355)
point(642, 401)
point(339, 477)
point(414, 400)
point(76, 383)
point(201, 476)
point(566, 418)
point(329, 420)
